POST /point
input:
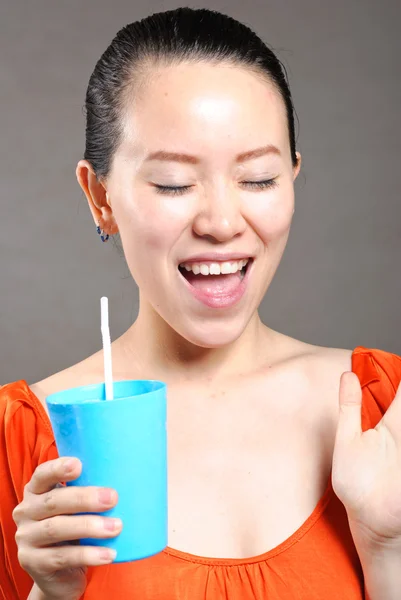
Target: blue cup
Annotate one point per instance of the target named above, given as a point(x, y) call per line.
point(122, 444)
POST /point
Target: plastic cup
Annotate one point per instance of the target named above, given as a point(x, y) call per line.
point(122, 444)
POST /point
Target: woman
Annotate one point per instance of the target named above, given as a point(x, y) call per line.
point(273, 491)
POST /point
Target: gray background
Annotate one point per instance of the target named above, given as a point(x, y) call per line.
point(339, 283)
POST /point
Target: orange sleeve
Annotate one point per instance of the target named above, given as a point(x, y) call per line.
point(25, 441)
point(388, 367)
point(380, 374)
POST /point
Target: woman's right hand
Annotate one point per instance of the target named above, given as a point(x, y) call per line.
point(48, 529)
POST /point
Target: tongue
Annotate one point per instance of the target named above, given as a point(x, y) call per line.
point(214, 285)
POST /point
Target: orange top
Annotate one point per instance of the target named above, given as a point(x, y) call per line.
point(317, 561)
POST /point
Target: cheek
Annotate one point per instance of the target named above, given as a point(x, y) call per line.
point(271, 214)
point(150, 226)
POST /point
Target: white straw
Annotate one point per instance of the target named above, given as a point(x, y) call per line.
point(108, 377)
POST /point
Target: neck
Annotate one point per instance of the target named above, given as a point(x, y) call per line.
point(156, 348)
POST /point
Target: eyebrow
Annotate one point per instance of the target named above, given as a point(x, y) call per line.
point(194, 160)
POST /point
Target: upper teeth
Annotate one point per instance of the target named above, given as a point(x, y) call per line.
point(222, 268)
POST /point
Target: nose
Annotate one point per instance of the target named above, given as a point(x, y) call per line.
point(219, 215)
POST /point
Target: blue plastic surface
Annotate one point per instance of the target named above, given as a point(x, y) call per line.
point(122, 444)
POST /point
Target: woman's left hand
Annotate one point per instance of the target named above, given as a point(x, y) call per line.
point(366, 472)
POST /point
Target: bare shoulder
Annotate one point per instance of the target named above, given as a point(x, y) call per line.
point(85, 372)
point(331, 358)
point(318, 363)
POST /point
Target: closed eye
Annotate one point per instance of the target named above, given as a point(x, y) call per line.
point(179, 190)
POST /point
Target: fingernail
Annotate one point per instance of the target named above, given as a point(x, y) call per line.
point(68, 465)
point(106, 496)
point(112, 524)
point(107, 554)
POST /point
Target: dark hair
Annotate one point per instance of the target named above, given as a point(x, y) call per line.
point(165, 38)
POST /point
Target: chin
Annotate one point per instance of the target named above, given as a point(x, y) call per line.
point(211, 333)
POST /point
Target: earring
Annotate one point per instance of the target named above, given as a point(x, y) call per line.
point(103, 237)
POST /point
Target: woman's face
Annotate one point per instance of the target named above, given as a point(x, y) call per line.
point(212, 114)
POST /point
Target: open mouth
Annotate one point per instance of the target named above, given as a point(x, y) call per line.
point(217, 285)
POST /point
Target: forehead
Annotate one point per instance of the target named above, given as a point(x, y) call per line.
point(206, 105)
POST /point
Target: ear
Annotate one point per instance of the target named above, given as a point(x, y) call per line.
point(297, 167)
point(97, 196)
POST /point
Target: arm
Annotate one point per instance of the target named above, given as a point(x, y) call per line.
point(382, 578)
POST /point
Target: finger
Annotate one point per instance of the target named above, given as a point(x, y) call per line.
point(48, 474)
point(70, 500)
point(50, 560)
point(65, 528)
point(349, 425)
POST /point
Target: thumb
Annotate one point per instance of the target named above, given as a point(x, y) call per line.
point(349, 425)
